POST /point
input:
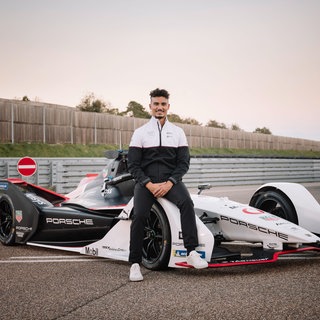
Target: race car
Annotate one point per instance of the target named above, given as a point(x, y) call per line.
point(95, 219)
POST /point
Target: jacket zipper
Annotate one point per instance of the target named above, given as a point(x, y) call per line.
point(160, 137)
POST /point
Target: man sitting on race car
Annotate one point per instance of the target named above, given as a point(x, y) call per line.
point(158, 158)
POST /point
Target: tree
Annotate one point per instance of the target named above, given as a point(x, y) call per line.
point(235, 127)
point(90, 104)
point(25, 98)
point(215, 124)
point(114, 111)
point(191, 121)
point(136, 110)
point(263, 130)
point(174, 118)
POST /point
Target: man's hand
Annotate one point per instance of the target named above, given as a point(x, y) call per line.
point(159, 189)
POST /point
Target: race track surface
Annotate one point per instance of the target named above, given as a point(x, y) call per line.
point(39, 283)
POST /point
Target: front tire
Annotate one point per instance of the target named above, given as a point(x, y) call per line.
point(275, 202)
point(157, 240)
point(7, 231)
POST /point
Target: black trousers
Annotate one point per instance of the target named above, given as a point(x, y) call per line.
point(143, 201)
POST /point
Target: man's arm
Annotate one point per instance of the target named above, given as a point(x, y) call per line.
point(183, 161)
point(134, 165)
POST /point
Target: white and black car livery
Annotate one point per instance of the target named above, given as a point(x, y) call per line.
point(95, 219)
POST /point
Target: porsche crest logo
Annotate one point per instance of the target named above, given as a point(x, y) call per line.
point(19, 215)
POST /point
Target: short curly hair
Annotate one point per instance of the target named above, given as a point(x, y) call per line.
point(159, 93)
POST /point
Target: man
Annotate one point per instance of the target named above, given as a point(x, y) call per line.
point(158, 158)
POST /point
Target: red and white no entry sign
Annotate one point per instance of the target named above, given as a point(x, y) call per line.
point(27, 166)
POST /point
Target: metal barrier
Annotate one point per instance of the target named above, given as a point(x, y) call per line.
point(64, 174)
point(250, 171)
point(60, 174)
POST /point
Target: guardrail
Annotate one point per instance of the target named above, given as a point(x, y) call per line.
point(64, 174)
point(240, 171)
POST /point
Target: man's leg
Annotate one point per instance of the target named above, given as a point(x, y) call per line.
point(181, 197)
point(143, 201)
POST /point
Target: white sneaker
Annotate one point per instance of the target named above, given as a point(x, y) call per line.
point(135, 273)
point(194, 259)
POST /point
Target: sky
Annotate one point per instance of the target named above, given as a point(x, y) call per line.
point(254, 63)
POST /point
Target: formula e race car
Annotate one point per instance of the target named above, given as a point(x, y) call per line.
point(95, 218)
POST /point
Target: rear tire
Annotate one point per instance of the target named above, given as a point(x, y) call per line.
point(157, 240)
point(275, 202)
point(7, 230)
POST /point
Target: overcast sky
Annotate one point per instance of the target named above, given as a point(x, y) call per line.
point(255, 63)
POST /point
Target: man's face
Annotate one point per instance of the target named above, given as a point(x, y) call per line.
point(159, 107)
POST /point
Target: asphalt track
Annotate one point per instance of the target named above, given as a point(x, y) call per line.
point(37, 283)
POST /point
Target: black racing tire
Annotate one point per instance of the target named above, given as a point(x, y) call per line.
point(7, 230)
point(157, 240)
point(275, 202)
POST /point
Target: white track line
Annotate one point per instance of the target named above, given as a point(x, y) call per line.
point(55, 259)
point(38, 259)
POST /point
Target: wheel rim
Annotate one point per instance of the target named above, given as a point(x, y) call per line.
point(5, 219)
point(274, 207)
point(153, 238)
point(277, 205)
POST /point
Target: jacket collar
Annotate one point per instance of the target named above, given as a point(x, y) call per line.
point(154, 120)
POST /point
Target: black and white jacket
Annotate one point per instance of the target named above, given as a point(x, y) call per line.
point(158, 153)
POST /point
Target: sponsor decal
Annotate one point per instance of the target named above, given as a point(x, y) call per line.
point(180, 244)
point(75, 222)
point(108, 191)
point(245, 260)
point(252, 211)
point(4, 185)
point(113, 249)
point(254, 227)
point(282, 223)
point(272, 245)
point(270, 217)
point(202, 254)
point(23, 229)
point(91, 251)
point(183, 253)
point(177, 244)
point(35, 199)
point(19, 215)
point(169, 134)
point(179, 253)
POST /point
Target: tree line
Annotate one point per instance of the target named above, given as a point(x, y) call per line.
point(89, 103)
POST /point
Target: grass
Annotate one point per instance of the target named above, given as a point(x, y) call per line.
point(53, 150)
point(86, 151)
point(256, 153)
